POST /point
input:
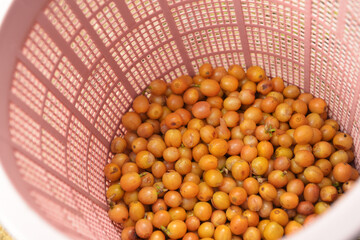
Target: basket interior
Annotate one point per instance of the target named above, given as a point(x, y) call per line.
point(82, 62)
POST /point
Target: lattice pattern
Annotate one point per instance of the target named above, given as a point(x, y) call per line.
point(355, 133)
point(149, 69)
point(115, 105)
point(61, 191)
point(62, 17)
point(24, 131)
point(274, 16)
point(140, 41)
point(351, 33)
point(330, 63)
point(41, 51)
point(280, 52)
point(102, 78)
point(105, 222)
point(293, 3)
point(175, 73)
point(326, 12)
point(276, 43)
point(335, 101)
point(32, 173)
point(85, 48)
point(203, 14)
point(85, 207)
point(96, 160)
point(56, 114)
point(77, 147)
point(28, 88)
point(89, 7)
point(67, 79)
point(357, 116)
point(44, 182)
point(142, 9)
point(61, 215)
point(321, 36)
point(222, 59)
point(108, 24)
point(119, 132)
point(212, 41)
point(276, 66)
point(53, 152)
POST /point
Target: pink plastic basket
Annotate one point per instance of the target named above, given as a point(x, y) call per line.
point(70, 69)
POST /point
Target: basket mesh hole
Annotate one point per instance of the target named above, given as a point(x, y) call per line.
point(41, 51)
point(77, 144)
point(62, 17)
point(24, 131)
point(115, 105)
point(89, 7)
point(84, 47)
point(108, 24)
point(61, 215)
point(96, 160)
point(28, 88)
point(149, 68)
point(223, 59)
point(198, 15)
point(67, 79)
point(102, 78)
point(56, 114)
point(142, 9)
point(53, 153)
point(212, 41)
point(140, 41)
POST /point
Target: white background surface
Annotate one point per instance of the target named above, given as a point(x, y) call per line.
point(4, 5)
point(21, 222)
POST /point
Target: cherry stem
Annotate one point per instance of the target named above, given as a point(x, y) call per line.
point(111, 197)
point(338, 187)
point(165, 230)
point(225, 170)
point(142, 174)
point(146, 90)
point(158, 188)
point(270, 129)
point(261, 179)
